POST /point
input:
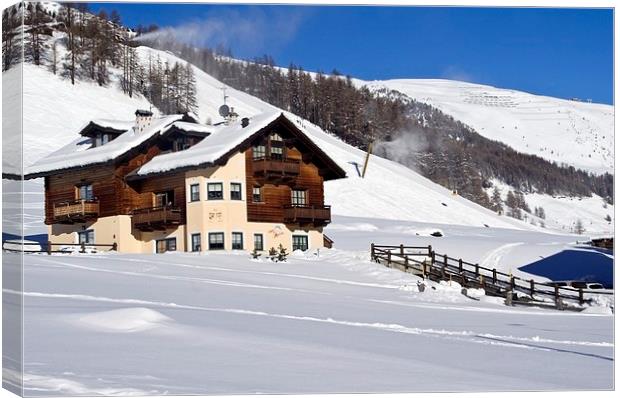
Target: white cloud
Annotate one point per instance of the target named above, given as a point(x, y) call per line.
point(251, 32)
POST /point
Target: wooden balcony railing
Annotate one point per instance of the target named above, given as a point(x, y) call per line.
point(76, 211)
point(283, 168)
point(318, 215)
point(155, 218)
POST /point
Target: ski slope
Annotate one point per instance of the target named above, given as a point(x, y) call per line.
point(562, 131)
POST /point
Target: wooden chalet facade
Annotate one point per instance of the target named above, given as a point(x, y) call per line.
point(264, 188)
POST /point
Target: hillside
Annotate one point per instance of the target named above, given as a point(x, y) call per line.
point(405, 195)
point(575, 133)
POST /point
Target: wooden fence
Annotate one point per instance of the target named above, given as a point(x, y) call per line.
point(423, 261)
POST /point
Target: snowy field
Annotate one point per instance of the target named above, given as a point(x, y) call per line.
point(187, 323)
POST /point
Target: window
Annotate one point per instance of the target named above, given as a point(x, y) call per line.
point(300, 242)
point(256, 195)
point(85, 192)
point(277, 152)
point(216, 241)
point(196, 242)
point(164, 198)
point(258, 242)
point(166, 245)
point(180, 144)
point(215, 191)
point(258, 152)
point(298, 197)
point(275, 137)
point(194, 192)
point(86, 237)
point(235, 191)
point(102, 139)
point(237, 241)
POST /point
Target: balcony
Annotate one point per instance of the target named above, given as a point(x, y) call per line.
point(317, 215)
point(155, 218)
point(76, 211)
point(277, 169)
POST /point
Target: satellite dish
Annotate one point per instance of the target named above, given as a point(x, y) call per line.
point(224, 110)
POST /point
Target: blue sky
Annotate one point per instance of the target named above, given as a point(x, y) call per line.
point(558, 52)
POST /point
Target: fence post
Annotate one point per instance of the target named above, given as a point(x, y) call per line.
point(445, 260)
point(406, 263)
point(512, 282)
point(460, 265)
point(389, 257)
point(580, 295)
point(494, 276)
point(557, 296)
point(402, 250)
point(424, 269)
point(82, 247)
point(477, 270)
point(430, 250)
point(432, 258)
point(372, 252)
point(49, 248)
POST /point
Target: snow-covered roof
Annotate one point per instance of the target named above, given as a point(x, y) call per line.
point(108, 124)
point(78, 153)
point(193, 127)
point(219, 143)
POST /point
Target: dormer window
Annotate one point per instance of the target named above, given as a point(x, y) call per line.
point(181, 144)
point(101, 139)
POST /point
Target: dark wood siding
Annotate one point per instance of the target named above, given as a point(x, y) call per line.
point(62, 188)
point(275, 196)
point(114, 194)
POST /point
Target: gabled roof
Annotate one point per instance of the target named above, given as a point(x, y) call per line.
point(106, 126)
point(79, 153)
point(143, 112)
point(227, 140)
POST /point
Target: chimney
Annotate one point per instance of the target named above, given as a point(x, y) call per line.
point(143, 120)
point(245, 122)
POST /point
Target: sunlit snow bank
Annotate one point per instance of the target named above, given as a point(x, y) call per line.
point(126, 320)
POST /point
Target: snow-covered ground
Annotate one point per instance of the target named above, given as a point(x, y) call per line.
point(563, 212)
point(576, 133)
point(330, 321)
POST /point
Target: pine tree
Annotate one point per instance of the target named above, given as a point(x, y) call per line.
point(11, 47)
point(35, 20)
point(54, 56)
point(191, 104)
point(73, 48)
point(579, 228)
point(496, 200)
